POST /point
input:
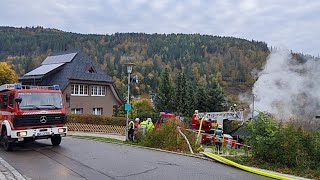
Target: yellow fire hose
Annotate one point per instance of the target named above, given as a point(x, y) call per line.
point(246, 168)
point(199, 132)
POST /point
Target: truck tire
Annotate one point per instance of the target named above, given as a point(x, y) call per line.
point(56, 140)
point(7, 145)
point(208, 143)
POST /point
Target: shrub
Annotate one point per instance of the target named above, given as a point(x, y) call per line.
point(285, 144)
point(96, 119)
point(167, 137)
point(142, 109)
point(263, 137)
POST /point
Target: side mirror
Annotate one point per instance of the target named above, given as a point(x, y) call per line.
point(67, 98)
point(18, 100)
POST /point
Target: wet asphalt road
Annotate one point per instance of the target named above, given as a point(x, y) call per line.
point(87, 159)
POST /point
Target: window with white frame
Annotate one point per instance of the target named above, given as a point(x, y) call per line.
point(98, 90)
point(79, 89)
point(97, 111)
point(77, 111)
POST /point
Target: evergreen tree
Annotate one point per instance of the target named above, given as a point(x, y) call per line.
point(181, 94)
point(164, 97)
point(201, 99)
point(190, 100)
point(215, 97)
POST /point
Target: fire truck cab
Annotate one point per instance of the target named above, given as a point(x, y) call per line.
point(28, 113)
point(164, 117)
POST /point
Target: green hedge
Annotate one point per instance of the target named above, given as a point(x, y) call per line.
point(96, 119)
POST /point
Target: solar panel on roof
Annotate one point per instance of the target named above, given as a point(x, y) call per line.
point(44, 69)
point(64, 58)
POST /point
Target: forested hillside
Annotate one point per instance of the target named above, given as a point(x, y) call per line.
point(204, 58)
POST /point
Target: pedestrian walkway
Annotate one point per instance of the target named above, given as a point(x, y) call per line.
point(96, 134)
point(7, 172)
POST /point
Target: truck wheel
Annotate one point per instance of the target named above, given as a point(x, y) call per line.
point(6, 141)
point(207, 143)
point(56, 140)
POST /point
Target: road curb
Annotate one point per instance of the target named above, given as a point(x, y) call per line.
point(16, 174)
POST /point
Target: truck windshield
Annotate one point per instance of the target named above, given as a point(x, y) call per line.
point(35, 100)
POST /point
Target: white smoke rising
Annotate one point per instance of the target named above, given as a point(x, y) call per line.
point(288, 89)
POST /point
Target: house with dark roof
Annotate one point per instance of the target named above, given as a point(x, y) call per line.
point(91, 90)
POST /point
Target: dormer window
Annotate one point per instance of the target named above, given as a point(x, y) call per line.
point(91, 70)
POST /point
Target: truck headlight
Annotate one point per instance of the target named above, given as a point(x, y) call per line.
point(22, 133)
point(61, 130)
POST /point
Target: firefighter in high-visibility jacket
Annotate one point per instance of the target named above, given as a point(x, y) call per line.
point(219, 138)
point(150, 125)
point(131, 130)
point(143, 126)
point(137, 123)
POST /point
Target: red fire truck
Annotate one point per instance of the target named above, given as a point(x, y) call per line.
point(163, 117)
point(28, 113)
point(213, 121)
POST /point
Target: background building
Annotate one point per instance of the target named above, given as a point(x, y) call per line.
point(91, 91)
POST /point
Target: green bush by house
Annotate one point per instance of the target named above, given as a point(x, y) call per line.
point(96, 119)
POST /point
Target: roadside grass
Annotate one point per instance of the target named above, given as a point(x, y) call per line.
point(244, 156)
point(165, 138)
point(111, 140)
point(297, 171)
point(104, 139)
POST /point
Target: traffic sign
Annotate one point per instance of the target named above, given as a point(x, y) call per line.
point(127, 107)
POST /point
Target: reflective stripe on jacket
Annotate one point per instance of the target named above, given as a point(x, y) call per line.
point(143, 124)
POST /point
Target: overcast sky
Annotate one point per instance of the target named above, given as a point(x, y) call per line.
point(291, 24)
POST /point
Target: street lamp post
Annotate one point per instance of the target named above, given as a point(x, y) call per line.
point(128, 107)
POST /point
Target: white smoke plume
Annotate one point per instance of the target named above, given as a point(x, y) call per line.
point(289, 89)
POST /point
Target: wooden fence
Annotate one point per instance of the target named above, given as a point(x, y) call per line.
point(96, 128)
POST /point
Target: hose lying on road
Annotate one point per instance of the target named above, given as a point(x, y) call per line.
point(184, 136)
point(246, 168)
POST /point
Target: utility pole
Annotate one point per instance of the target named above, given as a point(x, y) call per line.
point(128, 105)
point(253, 96)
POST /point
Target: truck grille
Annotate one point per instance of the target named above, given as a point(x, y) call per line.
point(39, 119)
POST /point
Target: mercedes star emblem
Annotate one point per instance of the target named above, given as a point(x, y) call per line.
point(43, 119)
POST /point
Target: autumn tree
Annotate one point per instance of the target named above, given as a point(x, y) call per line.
point(141, 108)
point(7, 74)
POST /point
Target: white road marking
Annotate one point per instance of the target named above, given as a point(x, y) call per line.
point(2, 176)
